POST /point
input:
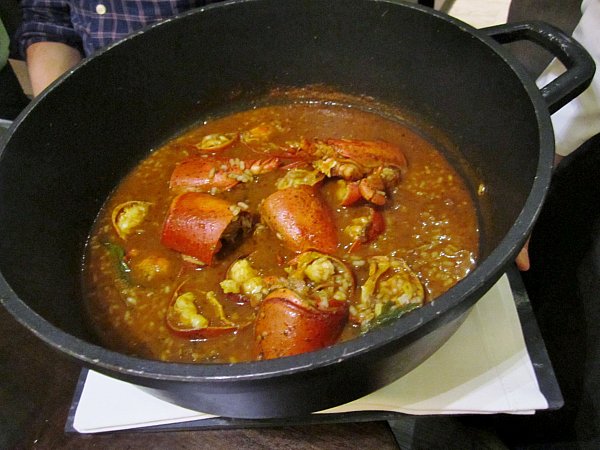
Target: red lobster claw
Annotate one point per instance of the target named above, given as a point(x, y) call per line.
point(370, 154)
point(204, 174)
point(197, 222)
point(287, 325)
point(302, 219)
point(184, 319)
point(365, 228)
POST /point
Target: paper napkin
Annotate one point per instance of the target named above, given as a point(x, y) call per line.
point(476, 13)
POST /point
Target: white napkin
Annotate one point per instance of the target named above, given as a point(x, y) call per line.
point(483, 368)
point(478, 14)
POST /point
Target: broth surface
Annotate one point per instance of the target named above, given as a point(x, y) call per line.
point(131, 278)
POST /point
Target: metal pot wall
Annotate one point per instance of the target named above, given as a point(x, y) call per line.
point(72, 145)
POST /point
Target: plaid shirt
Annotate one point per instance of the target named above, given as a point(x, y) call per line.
point(89, 25)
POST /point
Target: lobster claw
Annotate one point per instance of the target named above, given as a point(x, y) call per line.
point(370, 168)
point(391, 290)
point(365, 227)
point(309, 311)
point(301, 218)
point(185, 320)
point(197, 223)
point(348, 192)
point(369, 154)
point(127, 216)
point(287, 325)
point(202, 174)
point(217, 142)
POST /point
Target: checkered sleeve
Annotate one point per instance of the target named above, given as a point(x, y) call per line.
point(46, 20)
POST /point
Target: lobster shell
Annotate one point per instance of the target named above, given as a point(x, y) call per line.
point(287, 325)
point(370, 154)
point(201, 174)
point(195, 224)
point(301, 218)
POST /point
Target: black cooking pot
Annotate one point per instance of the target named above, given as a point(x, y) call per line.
point(72, 145)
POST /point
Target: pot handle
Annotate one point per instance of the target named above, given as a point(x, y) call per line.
point(579, 64)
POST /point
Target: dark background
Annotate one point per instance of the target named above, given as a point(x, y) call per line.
point(12, 99)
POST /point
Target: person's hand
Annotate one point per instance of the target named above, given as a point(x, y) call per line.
point(522, 259)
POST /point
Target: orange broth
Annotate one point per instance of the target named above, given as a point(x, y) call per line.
point(430, 222)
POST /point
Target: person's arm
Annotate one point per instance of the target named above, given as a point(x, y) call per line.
point(47, 40)
point(46, 61)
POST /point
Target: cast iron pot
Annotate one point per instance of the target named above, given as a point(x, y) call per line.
point(68, 150)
